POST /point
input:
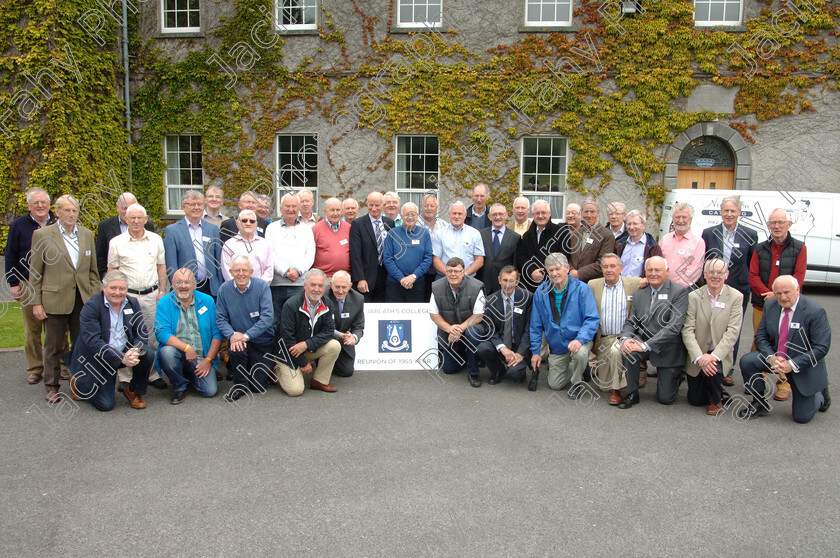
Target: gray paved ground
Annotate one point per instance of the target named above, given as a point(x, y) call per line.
point(399, 464)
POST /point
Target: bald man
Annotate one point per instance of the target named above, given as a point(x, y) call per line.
point(113, 226)
point(367, 250)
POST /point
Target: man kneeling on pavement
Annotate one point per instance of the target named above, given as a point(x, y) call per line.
point(112, 336)
point(565, 312)
point(306, 330)
point(185, 327)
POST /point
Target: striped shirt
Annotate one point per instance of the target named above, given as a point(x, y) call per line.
point(613, 309)
point(187, 330)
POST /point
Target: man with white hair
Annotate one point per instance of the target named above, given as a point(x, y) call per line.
point(18, 251)
point(542, 238)
point(408, 256)
point(653, 331)
point(477, 216)
point(349, 210)
point(793, 339)
point(520, 222)
point(616, 212)
point(684, 250)
point(139, 254)
point(332, 240)
point(293, 246)
point(458, 240)
point(391, 207)
point(367, 250)
point(111, 227)
point(307, 202)
point(637, 247)
point(306, 331)
point(248, 243)
point(248, 200)
point(349, 316)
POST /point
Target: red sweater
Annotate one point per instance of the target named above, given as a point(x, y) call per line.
point(776, 249)
point(332, 249)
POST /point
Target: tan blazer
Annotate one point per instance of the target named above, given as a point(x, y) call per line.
point(704, 326)
point(631, 285)
point(51, 273)
point(511, 224)
point(586, 255)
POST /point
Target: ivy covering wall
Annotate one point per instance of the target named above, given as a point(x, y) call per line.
point(622, 107)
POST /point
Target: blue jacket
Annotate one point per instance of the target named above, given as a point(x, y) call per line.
point(180, 252)
point(251, 312)
point(407, 253)
point(580, 318)
point(169, 311)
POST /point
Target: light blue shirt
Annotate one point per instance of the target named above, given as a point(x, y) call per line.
point(198, 246)
point(118, 338)
point(464, 243)
point(633, 257)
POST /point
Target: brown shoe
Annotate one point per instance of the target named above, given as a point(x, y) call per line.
point(615, 397)
point(782, 391)
point(34, 378)
point(73, 393)
point(728, 381)
point(714, 408)
point(53, 396)
point(315, 384)
point(135, 400)
point(642, 379)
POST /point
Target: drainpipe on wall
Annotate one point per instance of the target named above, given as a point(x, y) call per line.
point(125, 88)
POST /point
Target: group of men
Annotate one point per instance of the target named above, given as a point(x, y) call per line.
point(281, 299)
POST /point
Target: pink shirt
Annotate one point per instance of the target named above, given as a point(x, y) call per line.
point(684, 256)
point(258, 251)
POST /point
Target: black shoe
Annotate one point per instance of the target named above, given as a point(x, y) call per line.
point(159, 384)
point(587, 374)
point(629, 400)
point(575, 391)
point(218, 376)
point(474, 381)
point(492, 381)
point(535, 379)
point(229, 377)
point(178, 397)
point(756, 408)
point(724, 396)
point(234, 395)
point(826, 400)
point(121, 387)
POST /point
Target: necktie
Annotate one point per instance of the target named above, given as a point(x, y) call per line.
point(781, 349)
point(653, 294)
point(496, 242)
point(340, 307)
point(539, 233)
point(508, 330)
point(380, 239)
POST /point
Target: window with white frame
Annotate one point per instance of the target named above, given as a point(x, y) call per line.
point(548, 12)
point(542, 172)
point(717, 12)
point(297, 164)
point(183, 169)
point(417, 167)
point(419, 13)
point(180, 15)
point(297, 14)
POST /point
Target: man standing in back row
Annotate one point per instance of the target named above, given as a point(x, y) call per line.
point(367, 250)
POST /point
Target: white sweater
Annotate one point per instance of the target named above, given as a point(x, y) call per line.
point(293, 248)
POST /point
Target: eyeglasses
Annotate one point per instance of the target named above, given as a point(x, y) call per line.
point(247, 220)
point(193, 204)
point(777, 223)
point(454, 271)
point(39, 203)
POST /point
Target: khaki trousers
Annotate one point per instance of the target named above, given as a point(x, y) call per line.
point(607, 371)
point(567, 368)
point(291, 381)
point(148, 305)
point(33, 348)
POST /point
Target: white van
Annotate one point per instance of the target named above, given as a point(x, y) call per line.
point(815, 216)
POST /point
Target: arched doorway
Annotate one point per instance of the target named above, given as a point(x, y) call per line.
point(706, 163)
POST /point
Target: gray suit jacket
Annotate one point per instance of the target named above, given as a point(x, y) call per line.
point(660, 326)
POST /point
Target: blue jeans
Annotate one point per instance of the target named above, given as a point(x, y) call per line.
point(181, 372)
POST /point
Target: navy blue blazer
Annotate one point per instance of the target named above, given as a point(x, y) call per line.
point(95, 333)
point(364, 259)
point(180, 252)
point(494, 314)
point(807, 345)
point(739, 261)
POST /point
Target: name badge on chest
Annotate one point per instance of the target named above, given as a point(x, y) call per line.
point(345, 314)
point(720, 305)
point(517, 310)
point(662, 296)
point(343, 241)
point(794, 325)
point(130, 311)
point(255, 314)
point(202, 310)
point(415, 242)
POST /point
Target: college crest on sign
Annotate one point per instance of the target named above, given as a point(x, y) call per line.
point(394, 336)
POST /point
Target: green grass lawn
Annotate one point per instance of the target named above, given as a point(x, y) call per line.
point(11, 326)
